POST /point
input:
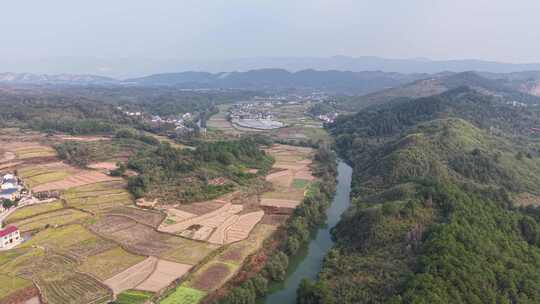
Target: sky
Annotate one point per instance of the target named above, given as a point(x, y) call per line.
point(123, 36)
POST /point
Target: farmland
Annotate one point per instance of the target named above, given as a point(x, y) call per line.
point(93, 245)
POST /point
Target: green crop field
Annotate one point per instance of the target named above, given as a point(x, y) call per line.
point(300, 183)
point(184, 295)
point(56, 218)
point(133, 297)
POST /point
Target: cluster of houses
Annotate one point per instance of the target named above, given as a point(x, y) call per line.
point(248, 111)
point(328, 117)
point(10, 189)
point(10, 237)
point(178, 121)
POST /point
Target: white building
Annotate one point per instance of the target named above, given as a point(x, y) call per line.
point(9, 237)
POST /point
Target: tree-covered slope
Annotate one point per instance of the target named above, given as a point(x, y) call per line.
point(435, 215)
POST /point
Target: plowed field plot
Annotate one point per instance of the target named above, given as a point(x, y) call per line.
point(52, 219)
point(148, 217)
point(143, 240)
point(164, 274)
point(132, 276)
point(211, 276)
point(135, 237)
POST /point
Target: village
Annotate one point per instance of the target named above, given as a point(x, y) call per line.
point(12, 195)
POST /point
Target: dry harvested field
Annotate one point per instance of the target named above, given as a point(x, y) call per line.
point(132, 276)
point(164, 274)
point(99, 197)
point(107, 166)
point(290, 178)
point(81, 138)
point(108, 263)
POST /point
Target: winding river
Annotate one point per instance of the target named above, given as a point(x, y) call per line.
point(307, 263)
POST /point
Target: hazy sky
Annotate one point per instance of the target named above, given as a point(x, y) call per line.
point(184, 30)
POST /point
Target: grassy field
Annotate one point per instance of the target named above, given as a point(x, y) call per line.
point(109, 263)
point(133, 297)
point(184, 295)
point(98, 197)
point(187, 251)
point(32, 210)
point(34, 151)
point(51, 219)
point(300, 183)
point(10, 284)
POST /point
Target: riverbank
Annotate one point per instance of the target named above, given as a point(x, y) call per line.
point(271, 264)
point(309, 262)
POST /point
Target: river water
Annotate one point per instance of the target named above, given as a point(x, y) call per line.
point(307, 263)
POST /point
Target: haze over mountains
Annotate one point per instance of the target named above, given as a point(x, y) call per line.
point(137, 67)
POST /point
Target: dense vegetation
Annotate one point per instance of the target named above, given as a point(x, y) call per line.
point(295, 233)
point(100, 109)
point(434, 220)
point(185, 175)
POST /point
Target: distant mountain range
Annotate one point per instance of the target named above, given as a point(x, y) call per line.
point(330, 81)
point(73, 79)
point(374, 87)
point(265, 79)
point(135, 67)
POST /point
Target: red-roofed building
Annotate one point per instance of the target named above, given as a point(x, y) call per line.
point(9, 237)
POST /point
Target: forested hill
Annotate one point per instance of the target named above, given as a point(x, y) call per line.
point(511, 89)
point(436, 218)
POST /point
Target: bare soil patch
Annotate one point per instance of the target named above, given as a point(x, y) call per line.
point(164, 274)
point(132, 276)
point(241, 228)
point(279, 203)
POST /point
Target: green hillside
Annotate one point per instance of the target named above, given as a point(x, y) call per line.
point(436, 192)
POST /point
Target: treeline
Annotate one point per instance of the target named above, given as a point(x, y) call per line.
point(293, 235)
point(185, 175)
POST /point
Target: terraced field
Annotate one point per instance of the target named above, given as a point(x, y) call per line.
point(33, 210)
